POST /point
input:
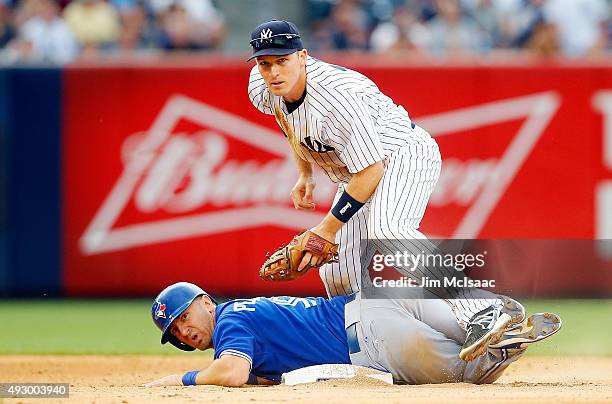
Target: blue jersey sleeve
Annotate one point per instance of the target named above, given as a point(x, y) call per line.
point(232, 337)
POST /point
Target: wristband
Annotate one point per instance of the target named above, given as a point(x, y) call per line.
point(346, 207)
point(189, 378)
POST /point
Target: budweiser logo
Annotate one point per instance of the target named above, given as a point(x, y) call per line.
point(192, 177)
point(201, 159)
point(477, 184)
point(183, 173)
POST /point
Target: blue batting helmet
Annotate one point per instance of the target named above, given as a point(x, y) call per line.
point(169, 305)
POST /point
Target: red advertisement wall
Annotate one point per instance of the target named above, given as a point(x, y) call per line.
point(170, 174)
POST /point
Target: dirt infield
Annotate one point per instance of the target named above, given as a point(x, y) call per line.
point(104, 379)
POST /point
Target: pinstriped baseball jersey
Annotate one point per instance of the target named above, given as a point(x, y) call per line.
point(344, 124)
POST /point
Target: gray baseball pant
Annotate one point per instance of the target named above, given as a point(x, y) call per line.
point(418, 342)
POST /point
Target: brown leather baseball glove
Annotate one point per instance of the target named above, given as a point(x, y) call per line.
point(283, 264)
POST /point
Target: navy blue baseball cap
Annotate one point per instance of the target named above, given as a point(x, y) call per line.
point(275, 38)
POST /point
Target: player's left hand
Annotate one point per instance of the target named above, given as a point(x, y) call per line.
point(314, 260)
point(311, 260)
point(293, 260)
point(172, 380)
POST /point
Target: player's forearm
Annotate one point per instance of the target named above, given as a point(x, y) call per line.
point(229, 371)
point(361, 186)
point(220, 374)
point(304, 168)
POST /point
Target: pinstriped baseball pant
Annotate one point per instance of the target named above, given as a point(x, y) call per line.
point(393, 215)
point(418, 342)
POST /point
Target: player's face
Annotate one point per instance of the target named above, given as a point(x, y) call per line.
point(195, 325)
point(285, 75)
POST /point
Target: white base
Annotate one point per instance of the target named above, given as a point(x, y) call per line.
point(319, 373)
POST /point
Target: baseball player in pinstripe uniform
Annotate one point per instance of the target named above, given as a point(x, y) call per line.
point(385, 165)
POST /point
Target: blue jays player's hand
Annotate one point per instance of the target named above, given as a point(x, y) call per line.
point(171, 380)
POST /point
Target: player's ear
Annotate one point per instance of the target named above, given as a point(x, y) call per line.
point(302, 55)
point(206, 302)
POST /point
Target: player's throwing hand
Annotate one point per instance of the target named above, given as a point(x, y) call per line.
point(301, 194)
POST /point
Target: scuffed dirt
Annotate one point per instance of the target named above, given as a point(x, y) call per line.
point(117, 379)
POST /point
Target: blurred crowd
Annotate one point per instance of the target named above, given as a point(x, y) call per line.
point(574, 28)
point(58, 31)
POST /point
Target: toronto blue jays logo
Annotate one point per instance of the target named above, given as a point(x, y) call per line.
point(160, 310)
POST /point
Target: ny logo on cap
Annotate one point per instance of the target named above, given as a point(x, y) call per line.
point(265, 34)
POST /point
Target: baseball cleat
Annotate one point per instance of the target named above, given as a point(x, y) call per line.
point(536, 328)
point(488, 326)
